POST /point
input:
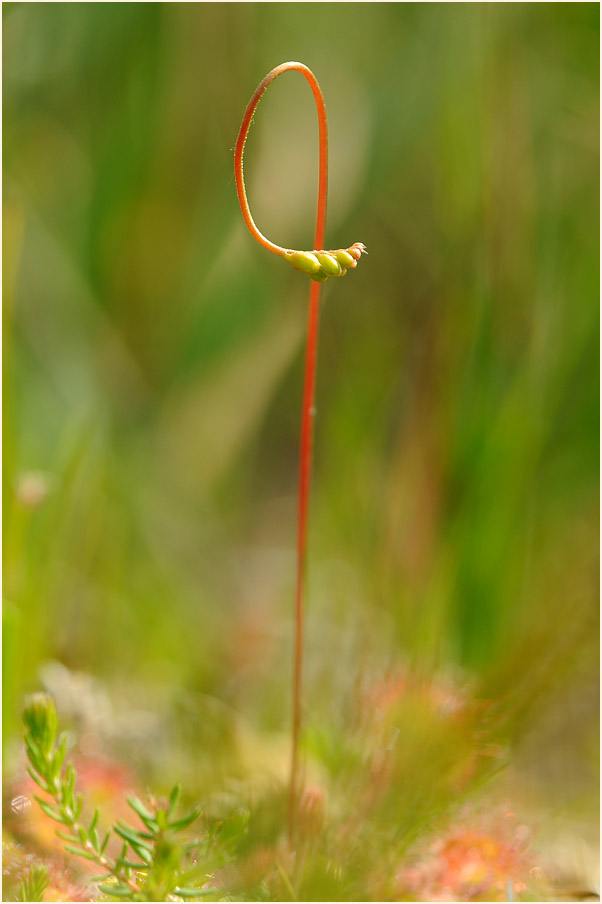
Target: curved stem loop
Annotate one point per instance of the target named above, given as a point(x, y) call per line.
point(307, 411)
point(323, 143)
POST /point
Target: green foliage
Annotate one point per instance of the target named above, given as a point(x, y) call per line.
point(456, 454)
point(155, 862)
point(34, 884)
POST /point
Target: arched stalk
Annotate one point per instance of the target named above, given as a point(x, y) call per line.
point(319, 265)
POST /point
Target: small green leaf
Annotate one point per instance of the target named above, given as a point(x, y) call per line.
point(117, 891)
point(80, 853)
point(39, 780)
point(35, 757)
point(67, 836)
point(52, 812)
point(186, 821)
point(131, 836)
point(143, 853)
point(174, 798)
point(69, 786)
point(59, 756)
point(103, 846)
point(93, 821)
point(138, 832)
point(140, 848)
point(194, 892)
point(129, 864)
point(138, 807)
point(146, 817)
point(32, 745)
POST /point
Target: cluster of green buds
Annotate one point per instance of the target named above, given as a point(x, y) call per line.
point(320, 265)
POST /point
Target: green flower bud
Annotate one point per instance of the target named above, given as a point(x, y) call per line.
point(320, 276)
point(41, 721)
point(345, 259)
point(329, 264)
point(304, 261)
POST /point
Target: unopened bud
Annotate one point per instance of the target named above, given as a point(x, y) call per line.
point(357, 249)
point(304, 261)
point(346, 260)
point(320, 265)
point(329, 264)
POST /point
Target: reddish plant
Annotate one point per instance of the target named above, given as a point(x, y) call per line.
point(481, 858)
point(319, 265)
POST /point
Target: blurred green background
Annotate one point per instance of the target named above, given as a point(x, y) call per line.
point(153, 360)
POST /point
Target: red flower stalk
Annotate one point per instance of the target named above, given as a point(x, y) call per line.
point(319, 265)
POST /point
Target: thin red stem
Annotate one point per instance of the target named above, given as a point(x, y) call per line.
point(305, 462)
point(307, 411)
